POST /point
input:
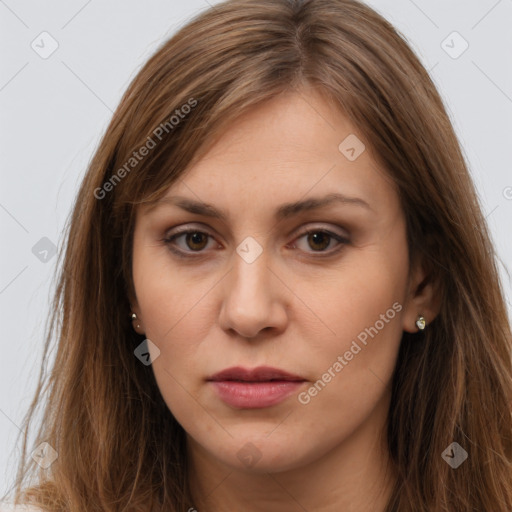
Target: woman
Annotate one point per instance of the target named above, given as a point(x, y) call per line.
point(278, 291)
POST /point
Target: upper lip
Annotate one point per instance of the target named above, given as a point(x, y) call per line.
point(259, 374)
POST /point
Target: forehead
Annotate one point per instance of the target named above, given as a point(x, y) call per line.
point(292, 147)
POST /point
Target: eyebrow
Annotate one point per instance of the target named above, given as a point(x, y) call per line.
point(284, 211)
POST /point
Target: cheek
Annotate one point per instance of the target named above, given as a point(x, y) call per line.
point(353, 368)
point(169, 298)
point(367, 293)
point(177, 315)
point(355, 359)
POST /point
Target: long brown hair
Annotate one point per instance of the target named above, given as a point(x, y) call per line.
point(119, 447)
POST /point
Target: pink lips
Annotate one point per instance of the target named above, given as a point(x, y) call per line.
point(257, 388)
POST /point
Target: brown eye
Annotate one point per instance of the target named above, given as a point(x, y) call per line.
point(187, 241)
point(319, 240)
point(196, 240)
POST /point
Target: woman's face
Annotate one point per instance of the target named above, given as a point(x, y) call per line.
point(250, 288)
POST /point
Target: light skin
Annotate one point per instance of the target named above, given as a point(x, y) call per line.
point(298, 306)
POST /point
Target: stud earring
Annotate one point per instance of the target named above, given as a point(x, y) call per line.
point(421, 323)
point(134, 319)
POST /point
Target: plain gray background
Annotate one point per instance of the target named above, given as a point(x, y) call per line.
point(55, 109)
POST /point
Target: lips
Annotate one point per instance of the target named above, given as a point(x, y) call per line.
point(260, 374)
point(254, 389)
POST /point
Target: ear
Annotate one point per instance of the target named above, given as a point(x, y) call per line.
point(423, 297)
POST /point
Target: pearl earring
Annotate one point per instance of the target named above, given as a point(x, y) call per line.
point(421, 323)
point(134, 319)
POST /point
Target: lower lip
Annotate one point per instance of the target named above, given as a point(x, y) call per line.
point(255, 395)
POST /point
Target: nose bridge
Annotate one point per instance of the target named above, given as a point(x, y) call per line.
point(250, 299)
point(250, 276)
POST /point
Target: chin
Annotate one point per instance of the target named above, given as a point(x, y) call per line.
point(261, 454)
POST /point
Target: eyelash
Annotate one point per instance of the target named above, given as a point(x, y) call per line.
point(189, 254)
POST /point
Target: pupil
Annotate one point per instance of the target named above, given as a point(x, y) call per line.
point(196, 239)
point(318, 238)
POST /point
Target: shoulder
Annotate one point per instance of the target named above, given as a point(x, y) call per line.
point(9, 507)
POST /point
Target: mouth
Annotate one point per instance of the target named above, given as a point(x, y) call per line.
point(254, 388)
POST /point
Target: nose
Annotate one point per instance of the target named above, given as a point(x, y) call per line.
point(254, 298)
